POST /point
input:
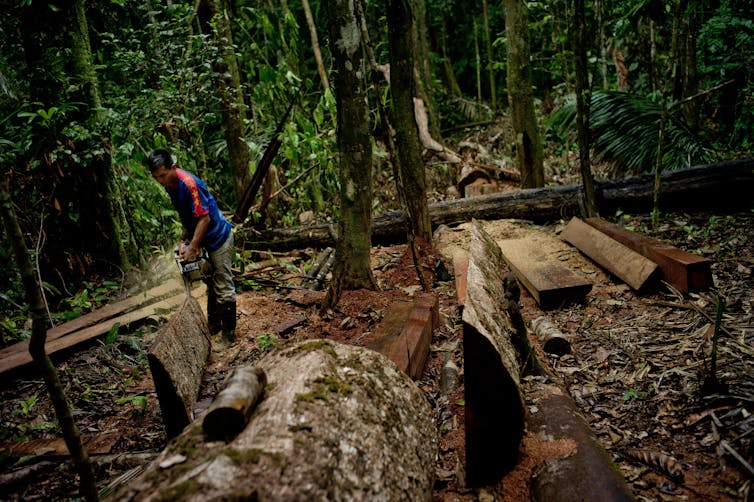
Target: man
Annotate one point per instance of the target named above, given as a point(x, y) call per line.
point(204, 226)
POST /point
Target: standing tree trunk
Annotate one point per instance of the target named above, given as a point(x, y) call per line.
point(490, 59)
point(71, 435)
point(449, 75)
point(315, 45)
point(424, 88)
point(529, 155)
point(214, 16)
point(583, 100)
point(411, 182)
point(352, 267)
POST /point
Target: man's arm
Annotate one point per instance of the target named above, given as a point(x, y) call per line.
point(192, 251)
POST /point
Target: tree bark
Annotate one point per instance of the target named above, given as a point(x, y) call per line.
point(177, 359)
point(583, 99)
point(490, 59)
point(411, 182)
point(228, 86)
point(71, 434)
point(352, 267)
point(529, 155)
point(494, 408)
point(337, 422)
point(722, 186)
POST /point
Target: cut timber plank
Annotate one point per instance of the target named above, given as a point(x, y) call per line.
point(99, 315)
point(547, 280)
point(683, 270)
point(494, 408)
point(460, 270)
point(405, 333)
point(18, 359)
point(626, 264)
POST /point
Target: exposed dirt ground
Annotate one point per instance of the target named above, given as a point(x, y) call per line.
point(636, 371)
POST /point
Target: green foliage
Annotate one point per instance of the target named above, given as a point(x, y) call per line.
point(265, 341)
point(625, 133)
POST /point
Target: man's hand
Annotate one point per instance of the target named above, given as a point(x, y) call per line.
point(188, 252)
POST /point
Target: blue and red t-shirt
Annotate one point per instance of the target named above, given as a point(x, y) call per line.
point(192, 200)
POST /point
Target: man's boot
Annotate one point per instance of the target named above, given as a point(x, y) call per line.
point(214, 320)
point(228, 318)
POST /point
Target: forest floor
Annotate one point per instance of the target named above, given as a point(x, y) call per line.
point(636, 371)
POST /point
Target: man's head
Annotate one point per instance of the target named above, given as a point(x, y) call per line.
point(161, 166)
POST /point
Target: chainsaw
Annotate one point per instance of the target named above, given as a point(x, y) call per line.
point(191, 270)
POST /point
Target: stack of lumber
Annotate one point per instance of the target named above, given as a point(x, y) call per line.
point(155, 301)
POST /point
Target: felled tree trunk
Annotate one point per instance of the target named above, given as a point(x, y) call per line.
point(177, 359)
point(494, 409)
point(722, 186)
point(336, 422)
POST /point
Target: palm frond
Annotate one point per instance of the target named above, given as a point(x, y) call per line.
point(625, 133)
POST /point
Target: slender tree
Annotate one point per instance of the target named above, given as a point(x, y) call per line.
point(315, 45)
point(352, 268)
point(490, 59)
point(412, 181)
point(215, 17)
point(583, 100)
point(529, 155)
point(71, 435)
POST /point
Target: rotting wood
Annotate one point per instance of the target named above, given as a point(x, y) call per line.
point(550, 284)
point(20, 359)
point(726, 185)
point(286, 328)
point(623, 262)
point(177, 359)
point(405, 333)
point(683, 270)
point(337, 422)
point(322, 272)
point(95, 444)
point(316, 266)
point(230, 410)
point(552, 340)
point(589, 473)
point(494, 407)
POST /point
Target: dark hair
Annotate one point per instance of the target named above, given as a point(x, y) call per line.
point(159, 158)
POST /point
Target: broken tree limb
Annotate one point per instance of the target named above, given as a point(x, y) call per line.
point(552, 340)
point(494, 408)
point(337, 422)
point(316, 266)
point(177, 359)
point(722, 186)
point(230, 410)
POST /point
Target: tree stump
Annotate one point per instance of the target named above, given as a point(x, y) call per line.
point(337, 422)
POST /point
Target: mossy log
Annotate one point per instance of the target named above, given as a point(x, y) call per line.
point(337, 422)
point(725, 185)
point(177, 359)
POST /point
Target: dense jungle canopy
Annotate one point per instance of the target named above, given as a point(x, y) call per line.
point(87, 89)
